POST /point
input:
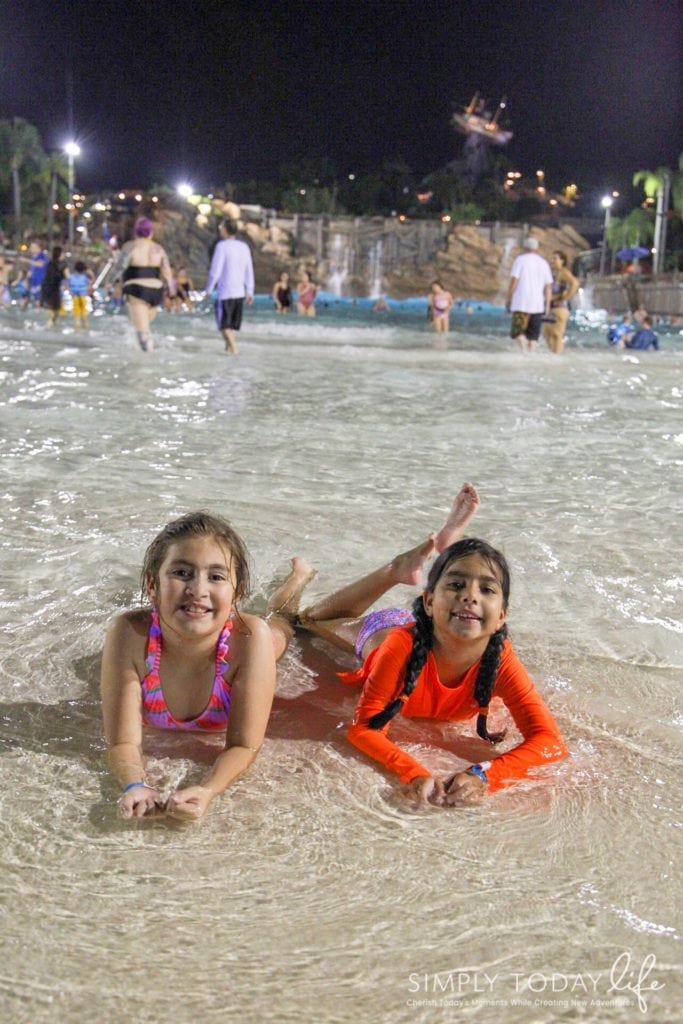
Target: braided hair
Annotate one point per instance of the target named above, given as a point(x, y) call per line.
point(423, 638)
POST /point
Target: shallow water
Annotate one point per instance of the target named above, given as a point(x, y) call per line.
point(312, 891)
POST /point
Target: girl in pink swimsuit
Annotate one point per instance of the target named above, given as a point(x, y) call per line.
point(440, 305)
point(306, 292)
point(190, 661)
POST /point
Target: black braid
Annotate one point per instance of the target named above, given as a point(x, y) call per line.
point(486, 677)
point(424, 634)
point(423, 637)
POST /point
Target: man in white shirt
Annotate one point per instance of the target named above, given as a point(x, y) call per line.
point(529, 295)
point(232, 276)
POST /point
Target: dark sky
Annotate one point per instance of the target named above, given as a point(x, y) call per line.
point(225, 91)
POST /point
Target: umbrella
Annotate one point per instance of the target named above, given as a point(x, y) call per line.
point(635, 252)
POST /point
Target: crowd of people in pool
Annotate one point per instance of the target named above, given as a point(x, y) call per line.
point(142, 281)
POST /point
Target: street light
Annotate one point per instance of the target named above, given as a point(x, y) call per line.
point(72, 150)
point(606, 203)
point(184, 190)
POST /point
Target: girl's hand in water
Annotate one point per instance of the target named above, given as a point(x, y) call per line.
point(139, 801)
point(464, 790)
point(426, 790)
point(189, 803)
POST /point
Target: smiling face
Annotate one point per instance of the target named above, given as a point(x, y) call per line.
point(195, 589)
point(468, 602)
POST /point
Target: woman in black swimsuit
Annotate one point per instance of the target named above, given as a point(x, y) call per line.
point(282, 294)
point(145, 264)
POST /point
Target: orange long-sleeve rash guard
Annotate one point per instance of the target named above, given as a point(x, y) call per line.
point(382, 677)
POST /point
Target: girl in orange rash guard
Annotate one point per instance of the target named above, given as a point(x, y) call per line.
point(446, 661)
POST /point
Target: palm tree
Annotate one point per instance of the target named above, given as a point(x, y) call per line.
point(636, 228)
point(20, 147)
point(54, 173)
point(657, 184)
point(677, 188)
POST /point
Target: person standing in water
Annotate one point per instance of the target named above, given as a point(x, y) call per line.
point(51, 288)
point(529, 295)
point(440, 306)
point(564, 287)
point(5, 297)
point(306, 291)
point(231, 275)
point(282, 293)
point(184, 287)
point(37, 266)
point(80, 283)
point(145, 263)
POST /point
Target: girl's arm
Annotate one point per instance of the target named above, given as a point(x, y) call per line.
point(572, 286)
point(253, 687)
point(542, 743)
point(382, 684)
point(122, 713)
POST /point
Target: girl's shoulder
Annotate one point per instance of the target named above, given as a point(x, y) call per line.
point(131, 625)
point(125, 645)
point(249, 631)
point(511, 671)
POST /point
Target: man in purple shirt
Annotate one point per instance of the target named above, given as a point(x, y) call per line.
point(232, 276)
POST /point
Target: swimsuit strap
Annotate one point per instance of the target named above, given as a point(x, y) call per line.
point(222, 651)
point(153, 644)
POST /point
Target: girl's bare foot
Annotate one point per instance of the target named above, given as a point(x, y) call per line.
point(465, 505)
point(285, 600)
point(407, 567)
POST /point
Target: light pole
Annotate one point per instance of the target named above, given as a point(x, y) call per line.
point(72, 150)
point(606, 203)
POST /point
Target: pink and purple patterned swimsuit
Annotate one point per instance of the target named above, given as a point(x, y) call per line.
point(214, 717)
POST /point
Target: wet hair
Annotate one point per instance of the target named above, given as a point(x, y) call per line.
point(562, 256)
point(423, 637)
point(143, 227)
point(79, 267)
point(198, 524)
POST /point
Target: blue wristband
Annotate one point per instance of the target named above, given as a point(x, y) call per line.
point(476, 769)
point(132, 785)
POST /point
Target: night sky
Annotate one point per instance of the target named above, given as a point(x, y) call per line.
point(228, 91)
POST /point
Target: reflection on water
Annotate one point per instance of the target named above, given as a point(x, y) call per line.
point(313, 891)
